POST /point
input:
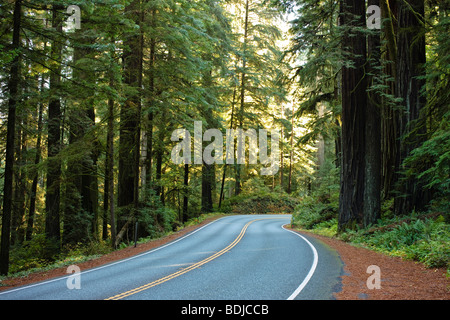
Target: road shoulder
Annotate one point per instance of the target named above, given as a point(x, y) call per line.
point(400, 279)
point(116, 255)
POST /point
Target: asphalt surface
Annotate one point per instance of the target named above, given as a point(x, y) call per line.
point(244, 257)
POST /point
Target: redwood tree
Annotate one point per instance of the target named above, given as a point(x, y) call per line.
point(354, 101)
point(409, 83)
point(9, 163)
point(52, 219)
point(372, 186)
point(130, 117)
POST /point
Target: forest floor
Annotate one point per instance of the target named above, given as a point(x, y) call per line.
point(400, 280)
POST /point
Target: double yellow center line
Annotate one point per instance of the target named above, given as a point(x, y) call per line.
point(187, 269)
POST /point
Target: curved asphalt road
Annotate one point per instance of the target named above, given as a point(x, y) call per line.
point(245, 257)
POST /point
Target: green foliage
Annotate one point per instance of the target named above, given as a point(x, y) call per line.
point(311, 212)
point(200, 219)
point(322, 204)
point(430, 163)
point(418, 238)
point(157, 221)
point(258, 198)
point(35, 253)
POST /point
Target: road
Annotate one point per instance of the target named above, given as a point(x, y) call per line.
point(244, 257)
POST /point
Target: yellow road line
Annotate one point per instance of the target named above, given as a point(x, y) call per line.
point(187, 269)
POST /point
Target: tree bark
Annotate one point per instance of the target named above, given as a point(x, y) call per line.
point(52, 221)
point(151, 89)
point(354, 101)
point(129, 145)
point(37, 159)
point(390, 137)
point(242, 97)
point(410, 66)
point(291, 153)
point(372, 187)
point(109, 170)
point(208, 170)
point(81, 201)
point(233, 103)
point(9, 160)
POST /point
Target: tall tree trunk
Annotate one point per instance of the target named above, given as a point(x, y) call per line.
point(390, 137)
point(19, 180)
point(158, 175)
point(281, 152)
point(233, 103)
point(110, 166)
point(130, 117)
point(242, 97)
point(208, 170)
point(159, 150)
point(410, 66)
point(185, 193)
point(9, 163)
point(354, 100)
point(81, 201)
point(52, 221)
point(37, 159)
point(372, 187)
point(149, 133)
point(291, 153)
point(208, 181)
point(109, 172)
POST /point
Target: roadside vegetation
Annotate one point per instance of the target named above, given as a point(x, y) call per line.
point(256, 197)
point(36, 255)
point(419, 236)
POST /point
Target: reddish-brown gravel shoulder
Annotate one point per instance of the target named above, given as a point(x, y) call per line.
point(400, 279)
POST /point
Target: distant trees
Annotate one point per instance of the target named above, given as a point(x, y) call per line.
point(90, 111)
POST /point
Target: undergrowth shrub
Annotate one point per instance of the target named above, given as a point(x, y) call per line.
point(311, 212)
point(35, 253)
point(260, 203)
point(256, 197)
point(418, 238)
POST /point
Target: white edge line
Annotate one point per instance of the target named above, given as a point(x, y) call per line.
point(311, 271)
point(110, 264)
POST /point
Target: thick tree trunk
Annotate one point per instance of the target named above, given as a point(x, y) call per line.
point(109, 170)
point(410, 66)
point(37, 159)
point(208, 170)
point(354, 101)
point(372, 187)
point(9, 160)
point(390, 137)
point(151, 89)
point(52, 221)
point(130, 118)
point(208, 180)
point(81, 203)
